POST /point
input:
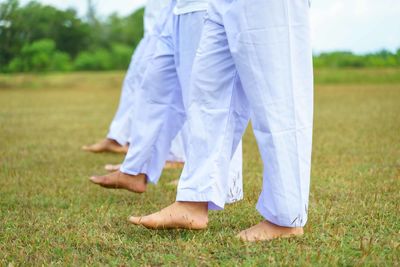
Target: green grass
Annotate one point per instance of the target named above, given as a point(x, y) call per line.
point(51, 214)
point(357, 76)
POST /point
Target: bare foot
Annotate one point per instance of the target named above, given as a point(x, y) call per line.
point(173, 165)
point(112, 168)
point(265, 231)
point(180, 215)
point(168, 165)
point(119, 180)
point(106, 145)
point(174, 183)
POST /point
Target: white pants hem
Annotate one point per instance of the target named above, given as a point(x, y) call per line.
point(150, 177)
point(296, 222)
point(119, 139)
point(189, 195)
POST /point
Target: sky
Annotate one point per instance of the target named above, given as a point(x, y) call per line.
point(360, 26)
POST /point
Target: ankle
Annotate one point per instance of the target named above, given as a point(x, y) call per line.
point(112, 142)
point(195, 207)
point(292, 230)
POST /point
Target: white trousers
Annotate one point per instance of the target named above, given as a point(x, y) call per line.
point(254, 61)
point(121, 127)
point(165, 97)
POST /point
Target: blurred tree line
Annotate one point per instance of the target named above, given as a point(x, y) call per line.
point(341, 59)
point(41, 38)
point(37, 37)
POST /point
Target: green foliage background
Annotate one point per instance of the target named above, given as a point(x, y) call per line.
point(42, 38)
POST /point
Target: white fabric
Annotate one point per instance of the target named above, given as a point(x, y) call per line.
point(254, 61)
point(187, 6)
point(120, 127)
point(152, 14)
point(164, 96)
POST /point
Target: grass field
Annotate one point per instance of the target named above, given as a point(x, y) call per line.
point(51, 214)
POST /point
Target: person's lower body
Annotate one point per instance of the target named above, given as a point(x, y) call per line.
point(165, 89)
point(163, 109)
point(254, 61)
point(118, 137)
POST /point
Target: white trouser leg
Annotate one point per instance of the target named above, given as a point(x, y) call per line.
point(162, 117)
point(158, 111)
point(120, 125)
point(274, 59)
point(177, 151)
point(213, 122)
point(268, 43)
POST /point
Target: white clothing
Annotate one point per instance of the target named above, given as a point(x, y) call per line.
point(120, 127)
point(152, 14)
point(187, 6)
point(164, 95)
point(254, 61)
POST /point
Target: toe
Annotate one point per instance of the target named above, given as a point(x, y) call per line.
point(135, 220)
point(241, 236)
point(246, 236)
point(109, 167)
point(95, 179)
point(115, 168)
